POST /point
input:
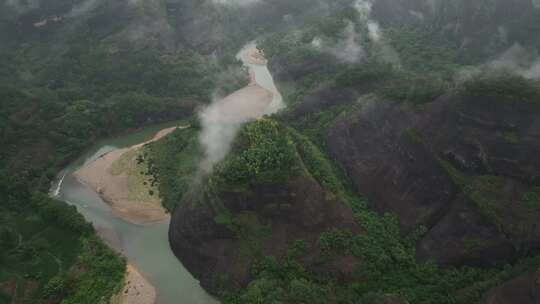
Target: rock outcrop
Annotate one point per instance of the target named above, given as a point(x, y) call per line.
point(272, 216)
point(462, 168)
point(524, 289)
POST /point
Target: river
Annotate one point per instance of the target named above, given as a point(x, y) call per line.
point(146, 247)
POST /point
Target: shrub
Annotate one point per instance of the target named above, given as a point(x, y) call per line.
point(504, 85)
point(264, 152)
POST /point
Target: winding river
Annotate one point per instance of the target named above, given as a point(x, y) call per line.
point(146, 247)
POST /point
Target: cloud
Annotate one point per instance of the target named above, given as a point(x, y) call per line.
point(235, 2)
point(218, 133)
point(347, 49)
point(82, 8)
point(23, 6)
point(516, 59)
point(519, 60)
point(223, 118)
point(374, 31)
point(364, 9)
point(383, 50)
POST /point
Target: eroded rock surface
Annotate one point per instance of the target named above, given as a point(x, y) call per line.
point(461, 167)
point(277, 215)
point(524, 289)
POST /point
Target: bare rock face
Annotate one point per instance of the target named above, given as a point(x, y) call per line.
point(272, 217)
point(524, 289)
point(466, 238)
point(384, 163)
point(323, 98)
point(461, 167)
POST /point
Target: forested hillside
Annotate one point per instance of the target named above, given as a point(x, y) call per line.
point(418, 116)
point(71, 73)
point(403, 169)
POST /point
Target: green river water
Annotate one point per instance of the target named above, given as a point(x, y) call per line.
point(145, 246)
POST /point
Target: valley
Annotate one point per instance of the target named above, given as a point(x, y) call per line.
point(269, 151)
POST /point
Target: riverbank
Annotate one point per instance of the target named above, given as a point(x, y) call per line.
point(253, 55)
point(247, 103)
point(116, 178)
point(136, 289)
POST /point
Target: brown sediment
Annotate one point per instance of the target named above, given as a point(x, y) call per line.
point(136, 289)
point(255, 56)
point(247, 103)
point(115, 188)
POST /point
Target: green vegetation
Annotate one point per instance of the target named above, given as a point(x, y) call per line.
point(385, 261)
point(42, 129)
point(316, 163)
point(422, 50)
point(504, 85)
point(173, 161)
point(313, 125)
point(369, 74)
point(414, 89)
point(110, 70)
point(263, 152)
point(487, 193)
point(511, 137)
point(64, 85)
point(141, 184)
point(532, 198)
point(61, 90)
point(49, 252)
point(96, 276)
point(247, 228)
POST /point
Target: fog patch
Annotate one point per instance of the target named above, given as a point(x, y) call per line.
point(364, 8)
point(235, 2)
point(347, 49)
point(516, 60)
point(23, 6)
point(433, 5)
point(82, 8)
point(223, 118)
point(467, 73)
point(218, 133)
point(135, 2)
point(418, 15)
point(519, 60)
point(382, 49)
point(374, 31)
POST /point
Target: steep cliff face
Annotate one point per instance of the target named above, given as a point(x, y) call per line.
point(220, 234)
point(461, 167)
point(524, 289)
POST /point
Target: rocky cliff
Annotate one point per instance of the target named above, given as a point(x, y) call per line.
point(524, 289)
point(220, 234)
point(462, 168)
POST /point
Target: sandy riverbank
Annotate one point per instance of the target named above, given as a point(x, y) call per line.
point(136, 290)
point(247, 103)
point(128, 201)
point(254, 56)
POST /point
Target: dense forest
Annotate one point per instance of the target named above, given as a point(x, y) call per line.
point(403, 169)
